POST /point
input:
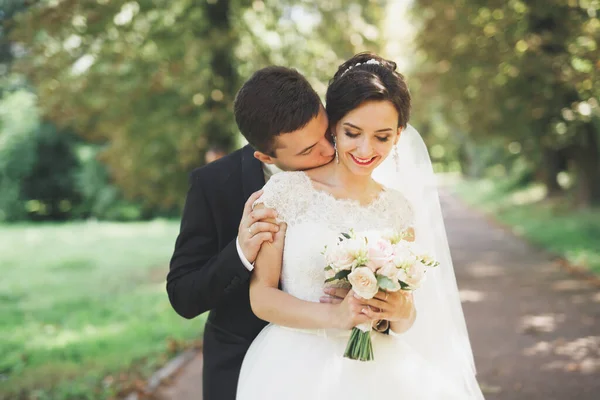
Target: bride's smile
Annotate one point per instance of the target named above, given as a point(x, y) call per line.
point(365, 136)
point(363, 162)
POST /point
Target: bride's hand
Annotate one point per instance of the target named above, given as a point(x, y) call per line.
point(391, 306)
point(349, 313)
point(279, 237)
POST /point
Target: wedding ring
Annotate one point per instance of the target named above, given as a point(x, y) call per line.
point(386, 295)
point(250, 229)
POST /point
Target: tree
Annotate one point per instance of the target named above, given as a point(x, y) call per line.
point(153, 81)
point(522, 71)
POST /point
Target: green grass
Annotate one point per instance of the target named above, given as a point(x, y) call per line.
point(83, 306)
point(554, 225)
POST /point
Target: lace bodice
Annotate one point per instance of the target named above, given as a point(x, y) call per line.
point(315, 218)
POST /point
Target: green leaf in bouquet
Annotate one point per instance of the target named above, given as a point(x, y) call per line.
point(386, 283)
point(340, 275)
point(324, 250)
point(347, 236)
point(328, 268)
point(404, 286)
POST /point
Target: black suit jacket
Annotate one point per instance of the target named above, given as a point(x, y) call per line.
point(206, 273)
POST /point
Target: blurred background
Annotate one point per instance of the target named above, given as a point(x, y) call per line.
point(105, 106)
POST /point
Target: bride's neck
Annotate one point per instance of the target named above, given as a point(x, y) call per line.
point(353, 182)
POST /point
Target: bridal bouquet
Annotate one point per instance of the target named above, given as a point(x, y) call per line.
point(373, 261)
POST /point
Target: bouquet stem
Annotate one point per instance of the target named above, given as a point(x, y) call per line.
point(359, 345)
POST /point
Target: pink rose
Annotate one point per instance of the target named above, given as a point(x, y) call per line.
point(363, 282)
point(380, 253)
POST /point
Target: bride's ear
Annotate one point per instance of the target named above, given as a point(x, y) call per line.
point(331, 134)
point(398, 135)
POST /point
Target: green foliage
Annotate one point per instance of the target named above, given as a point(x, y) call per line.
point(86, 305)
point(49, 190)
point(101, 199)
point(522, 72)
point(46, 174)
point(153, 81)
point(19, 122)
point(385, 283)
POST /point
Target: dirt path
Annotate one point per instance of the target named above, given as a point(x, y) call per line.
point(535, 329)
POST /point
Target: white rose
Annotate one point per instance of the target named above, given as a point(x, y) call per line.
point(391, 236)
point(363, 282)
point(357, 248)
point(413, 275)
point(380, 252)
point(390, 271)
point(339, 258)
point(403, 256)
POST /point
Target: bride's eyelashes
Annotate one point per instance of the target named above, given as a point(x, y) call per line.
point(355, 135)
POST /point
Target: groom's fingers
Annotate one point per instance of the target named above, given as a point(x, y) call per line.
point(250, 202)
point(261, 214)
point(259, 227)
point(260, 238)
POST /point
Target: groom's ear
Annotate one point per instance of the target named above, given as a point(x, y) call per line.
point(263, 158)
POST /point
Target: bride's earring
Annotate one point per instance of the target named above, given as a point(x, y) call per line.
point(396, 158)
point(337, 157)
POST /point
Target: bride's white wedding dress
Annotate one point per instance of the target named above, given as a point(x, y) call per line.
point(286, 363)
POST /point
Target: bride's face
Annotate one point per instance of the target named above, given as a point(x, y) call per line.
point(365, 136)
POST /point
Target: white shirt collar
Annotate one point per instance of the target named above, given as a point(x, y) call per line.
point(269, 170)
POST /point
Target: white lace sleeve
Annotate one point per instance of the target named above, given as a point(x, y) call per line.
point(286, 193)
point(402, 211)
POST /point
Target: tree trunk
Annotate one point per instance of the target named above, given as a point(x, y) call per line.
point(585, 159)
point(548, 173)
point(223, 38)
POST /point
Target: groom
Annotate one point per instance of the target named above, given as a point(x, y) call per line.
point(282, 117)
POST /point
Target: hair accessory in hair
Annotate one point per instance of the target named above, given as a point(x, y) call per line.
point(371, 61)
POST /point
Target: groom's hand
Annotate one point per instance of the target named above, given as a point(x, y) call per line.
point(256, 227)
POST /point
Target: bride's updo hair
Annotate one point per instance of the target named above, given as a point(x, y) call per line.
point(367, 77)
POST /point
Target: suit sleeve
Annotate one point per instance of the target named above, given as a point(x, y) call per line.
point(201, 276)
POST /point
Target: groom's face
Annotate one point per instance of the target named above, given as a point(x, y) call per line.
point(306, 148)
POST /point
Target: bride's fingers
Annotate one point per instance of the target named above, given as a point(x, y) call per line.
point(383, 296)
point(374, 302)
point(337, 292)
point(372, 314)
point(330, 300)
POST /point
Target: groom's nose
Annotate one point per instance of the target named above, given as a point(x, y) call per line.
point(327, 149)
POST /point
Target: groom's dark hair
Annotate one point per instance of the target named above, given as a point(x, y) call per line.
point(275, 100)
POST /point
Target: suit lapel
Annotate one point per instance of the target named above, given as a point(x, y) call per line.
point(253, 177)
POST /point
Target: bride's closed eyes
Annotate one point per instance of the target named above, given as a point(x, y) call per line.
point(382, 139)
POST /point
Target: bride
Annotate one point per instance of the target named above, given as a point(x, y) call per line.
point(381, 178)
